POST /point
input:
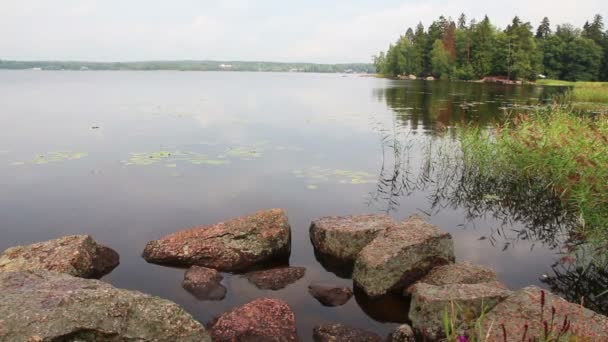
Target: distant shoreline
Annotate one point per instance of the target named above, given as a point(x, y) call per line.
point(190, 66)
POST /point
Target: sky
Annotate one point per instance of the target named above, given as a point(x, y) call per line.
point(318, 31)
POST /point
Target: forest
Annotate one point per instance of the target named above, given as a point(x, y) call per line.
point(471, 50)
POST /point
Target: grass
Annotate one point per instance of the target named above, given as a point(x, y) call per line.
point(595, 92)
point(564, 152)
point(470, 329)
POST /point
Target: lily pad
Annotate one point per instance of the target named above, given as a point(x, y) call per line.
point(317, 174)
point(57, 156)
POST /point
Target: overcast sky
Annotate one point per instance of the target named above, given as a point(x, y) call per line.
point(270, 30)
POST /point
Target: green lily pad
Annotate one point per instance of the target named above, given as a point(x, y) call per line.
point(317, 174)
point(57, 156)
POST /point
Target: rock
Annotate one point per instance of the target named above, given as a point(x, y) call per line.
point(430, 302)
point(430, 78)
point(230, 246)
point(343, 237)
point(76, 255)
point(460, 273)
point(204, 283)
point(412, 77)
point(523, 308)
point(275, 278)
point(339, 332)
point(403, 333)
point(330, 295)
point(261, 320)
point(401, 255)
point(50, 306)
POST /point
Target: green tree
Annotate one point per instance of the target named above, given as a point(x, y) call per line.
point(544, 29)
point(440, 60)
point(484, 40)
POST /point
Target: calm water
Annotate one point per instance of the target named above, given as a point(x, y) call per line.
point(312, 144)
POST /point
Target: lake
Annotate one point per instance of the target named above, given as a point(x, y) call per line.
point(131, 156)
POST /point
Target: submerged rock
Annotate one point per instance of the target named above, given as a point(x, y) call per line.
point(343, 237)
point(460, 273)
point(76, 255)
point(50, 306)
point(330, 295)
point(204, 283)
point(431, 302)
point(231, 246)
point(261, 320)
point(401, 255)
point(403, 333)
point(339, 332)
point(533, 307)
point(275, 278)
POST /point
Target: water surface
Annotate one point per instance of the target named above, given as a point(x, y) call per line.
point(131, 156)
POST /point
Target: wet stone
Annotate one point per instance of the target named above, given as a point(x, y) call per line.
point(343, 237)
point(232, 246)
point(263, 319)
point(204, 283)
point(330, 295)
point(459, 273)
point(431, 302)
point(403, 333)
point(76, 255)
point(401, 255)
point(524, 308)
point(339, 332)
point(51, 306)
point(275, 278)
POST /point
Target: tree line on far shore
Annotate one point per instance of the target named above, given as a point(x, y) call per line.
point(468, 50)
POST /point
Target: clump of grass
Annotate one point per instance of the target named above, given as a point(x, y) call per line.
point(565, 152)
point(591, 93)
point(594, 92)
point(471, 329)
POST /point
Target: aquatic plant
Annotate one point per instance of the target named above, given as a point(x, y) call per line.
point(554, 149)
point(317, 174)
point(52, 157)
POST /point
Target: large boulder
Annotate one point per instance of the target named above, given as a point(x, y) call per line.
point(330, 295)
point(401, 255)
point(343, 237)
point(204, 283)
point(339, 332)
point(50, 306)
point(275, 278)
point(459, 273)
point(230, 246)
point(525, 313)
point(76, 255)
point(464, 302)
point(261, 320)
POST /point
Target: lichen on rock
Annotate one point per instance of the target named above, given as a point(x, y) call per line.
point(401, 255)
point(76, 255)
point(51, 306)
point(232, 246)
point(263, 319)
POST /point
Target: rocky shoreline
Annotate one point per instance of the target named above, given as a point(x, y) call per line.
point(49, 291)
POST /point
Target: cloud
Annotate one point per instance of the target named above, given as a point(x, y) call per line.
point(241, 29)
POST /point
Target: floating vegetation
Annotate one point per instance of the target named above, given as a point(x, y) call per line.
point(148, 158)
point(245, 152)
point(53, 157)
point(316, 174)
point(171, 159)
